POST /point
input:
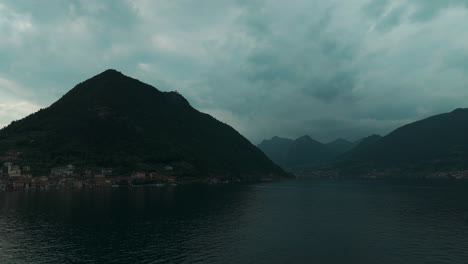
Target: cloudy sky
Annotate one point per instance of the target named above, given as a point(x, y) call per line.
point(335, 68)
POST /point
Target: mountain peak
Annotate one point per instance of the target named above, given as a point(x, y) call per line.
point(276, 138)
point(340, 141)
point(304, 137)
point(307, 139)
point(111, 87)
point(111, 77)
point(110, 72)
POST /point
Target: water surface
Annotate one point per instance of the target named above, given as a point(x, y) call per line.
point(296, 221)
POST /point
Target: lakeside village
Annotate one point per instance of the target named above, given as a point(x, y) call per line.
point(15, 177)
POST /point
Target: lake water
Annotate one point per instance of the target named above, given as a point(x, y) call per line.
point(294, 221)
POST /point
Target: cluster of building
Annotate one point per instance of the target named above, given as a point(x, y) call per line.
point(462, 174)
point(10, 155)
point(388, 173)
point(15, 177)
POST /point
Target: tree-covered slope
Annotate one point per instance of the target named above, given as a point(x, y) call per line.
point(437, 143)
point(436, 137)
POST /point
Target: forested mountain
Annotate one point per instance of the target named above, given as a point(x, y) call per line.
point(116, 121)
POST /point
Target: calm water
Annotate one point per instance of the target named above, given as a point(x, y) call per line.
point(283, 222)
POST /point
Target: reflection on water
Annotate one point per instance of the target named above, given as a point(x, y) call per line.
point(284, 222)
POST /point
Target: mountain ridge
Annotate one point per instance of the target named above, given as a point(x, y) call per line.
point(435, 137)
point(303, 151)
point(436, 146)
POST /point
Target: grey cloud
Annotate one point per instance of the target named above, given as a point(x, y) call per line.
point(429, 9)
point(392, 19)
point(375, 9)
point(457, 60)
point(339, 86)
point(312, 62)
point(325, 68)
point(421, 11)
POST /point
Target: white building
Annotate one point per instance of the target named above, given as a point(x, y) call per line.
point(63, 171)
point(14, 171)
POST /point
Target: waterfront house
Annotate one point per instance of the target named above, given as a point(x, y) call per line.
point(7, 164)
point(44, 182)
point(26, 175)
point(78, 184)
point(44, 178)
point(98, 183)
point(171, 179)
point(40, 182)
point(121, 180)
point(103, 184)
point(212, 180)
point(4, 169)
point(14, 171)
point(158, 177)
point(19, 185)
point(61, 184)
point(35, 182)
point(57, 171)
point(10, 155)
point(88, 173)
point(69, 183)
point(139, 175)
point(63, 171)
point(107, 171)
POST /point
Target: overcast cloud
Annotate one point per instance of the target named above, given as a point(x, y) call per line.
point(335, 68)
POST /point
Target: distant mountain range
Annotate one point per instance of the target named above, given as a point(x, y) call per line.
point(303, 151)
point(436, 146)
point(112, 120)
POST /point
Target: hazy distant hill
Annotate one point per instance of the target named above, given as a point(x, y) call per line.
point(277, 149)
point(361, 145)
point(434, 147)
point(340, 146)
point(116, 121)
point(303, 151)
